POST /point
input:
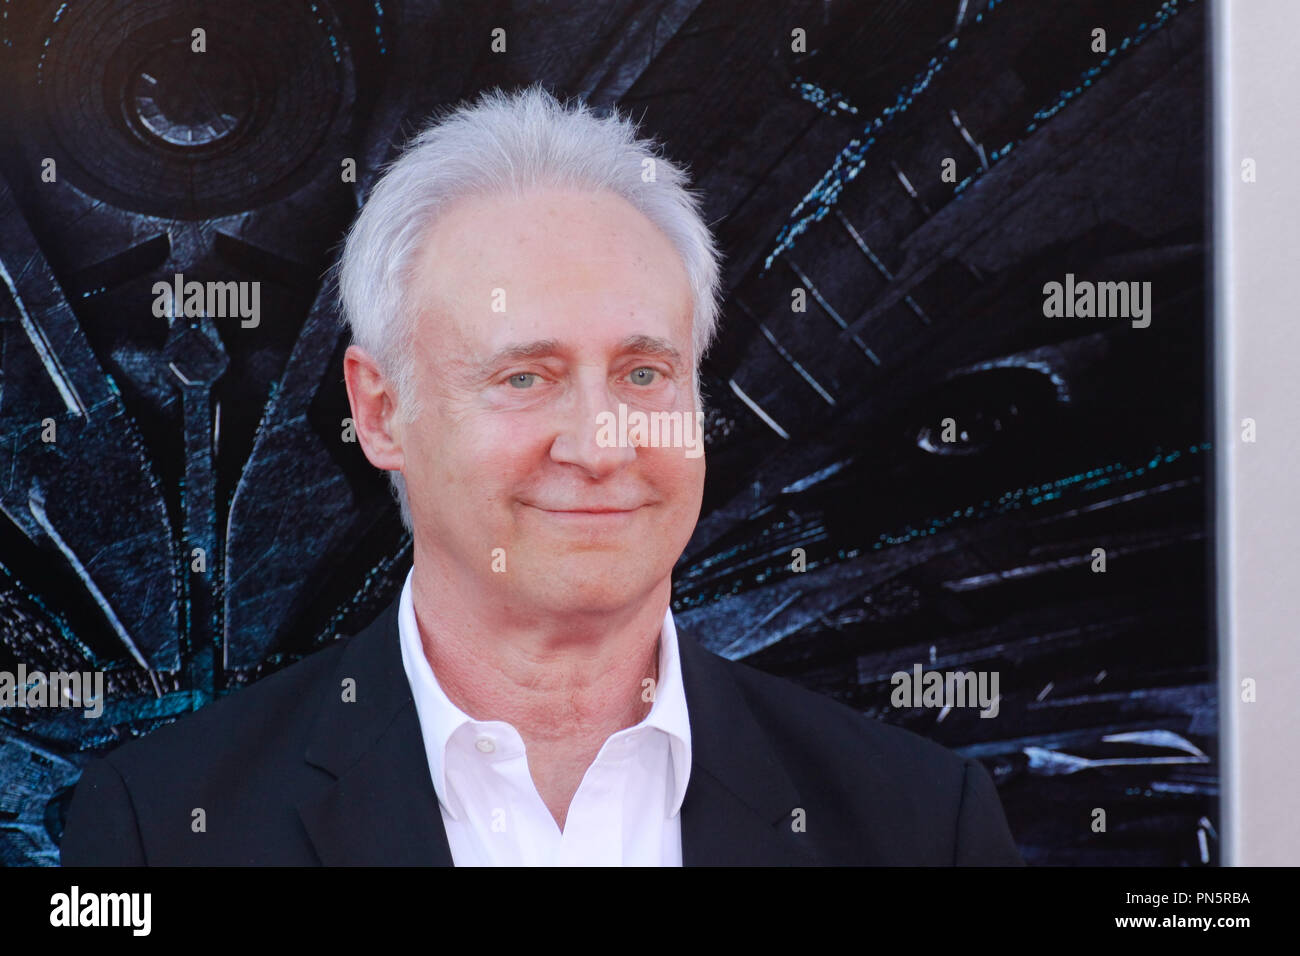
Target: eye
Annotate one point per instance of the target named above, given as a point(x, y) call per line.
point(522, 379)
point(643, 375)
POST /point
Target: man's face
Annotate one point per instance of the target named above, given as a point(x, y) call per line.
point(535, 315)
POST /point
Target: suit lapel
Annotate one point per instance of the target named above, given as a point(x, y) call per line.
point(740, 802)
point(381, 808)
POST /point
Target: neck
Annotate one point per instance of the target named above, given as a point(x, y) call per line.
point(566, 682)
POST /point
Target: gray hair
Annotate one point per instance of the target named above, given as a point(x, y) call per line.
point(508, 143)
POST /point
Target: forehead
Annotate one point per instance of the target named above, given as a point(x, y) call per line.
point(551, 261)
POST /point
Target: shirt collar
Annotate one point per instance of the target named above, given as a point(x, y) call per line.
point(440, 718)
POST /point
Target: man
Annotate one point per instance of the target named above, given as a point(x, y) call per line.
point(524, 275)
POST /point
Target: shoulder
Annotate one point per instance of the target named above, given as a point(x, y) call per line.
point(265, 717)
point(232, 770)
point(873, 793)
point(824, 725)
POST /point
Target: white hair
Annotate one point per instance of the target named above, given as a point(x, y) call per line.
point(505, 144)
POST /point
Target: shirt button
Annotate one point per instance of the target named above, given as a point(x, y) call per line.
point(485, 745)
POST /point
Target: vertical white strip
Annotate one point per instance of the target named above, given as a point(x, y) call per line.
point(1257, 235)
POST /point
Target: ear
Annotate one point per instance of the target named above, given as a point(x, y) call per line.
point(374, 410)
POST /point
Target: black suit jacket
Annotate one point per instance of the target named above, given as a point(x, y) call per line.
point(286, 772)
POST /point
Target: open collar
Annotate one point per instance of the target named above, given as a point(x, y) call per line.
point(381, 806)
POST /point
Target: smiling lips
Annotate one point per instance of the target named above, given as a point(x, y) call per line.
point(595, 512)
point(587, 511)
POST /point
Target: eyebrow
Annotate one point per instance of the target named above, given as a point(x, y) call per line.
point(524, 350)
point(652, 345)
point(644, 344)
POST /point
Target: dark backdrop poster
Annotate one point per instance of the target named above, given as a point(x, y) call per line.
point(922, 455)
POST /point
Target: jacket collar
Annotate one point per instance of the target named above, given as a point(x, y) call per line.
point(740, 802)
point(381, 807)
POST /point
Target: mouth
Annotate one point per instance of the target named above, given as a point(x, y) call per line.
point(597, 513)
point(588, 511)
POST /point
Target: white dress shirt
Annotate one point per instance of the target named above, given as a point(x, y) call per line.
point(626, 811)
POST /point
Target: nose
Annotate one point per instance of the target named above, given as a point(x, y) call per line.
point(589, 435)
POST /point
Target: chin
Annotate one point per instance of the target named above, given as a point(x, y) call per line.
point(588, 586)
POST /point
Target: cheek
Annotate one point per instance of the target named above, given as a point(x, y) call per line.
point(677, 477)
point(483, 455)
